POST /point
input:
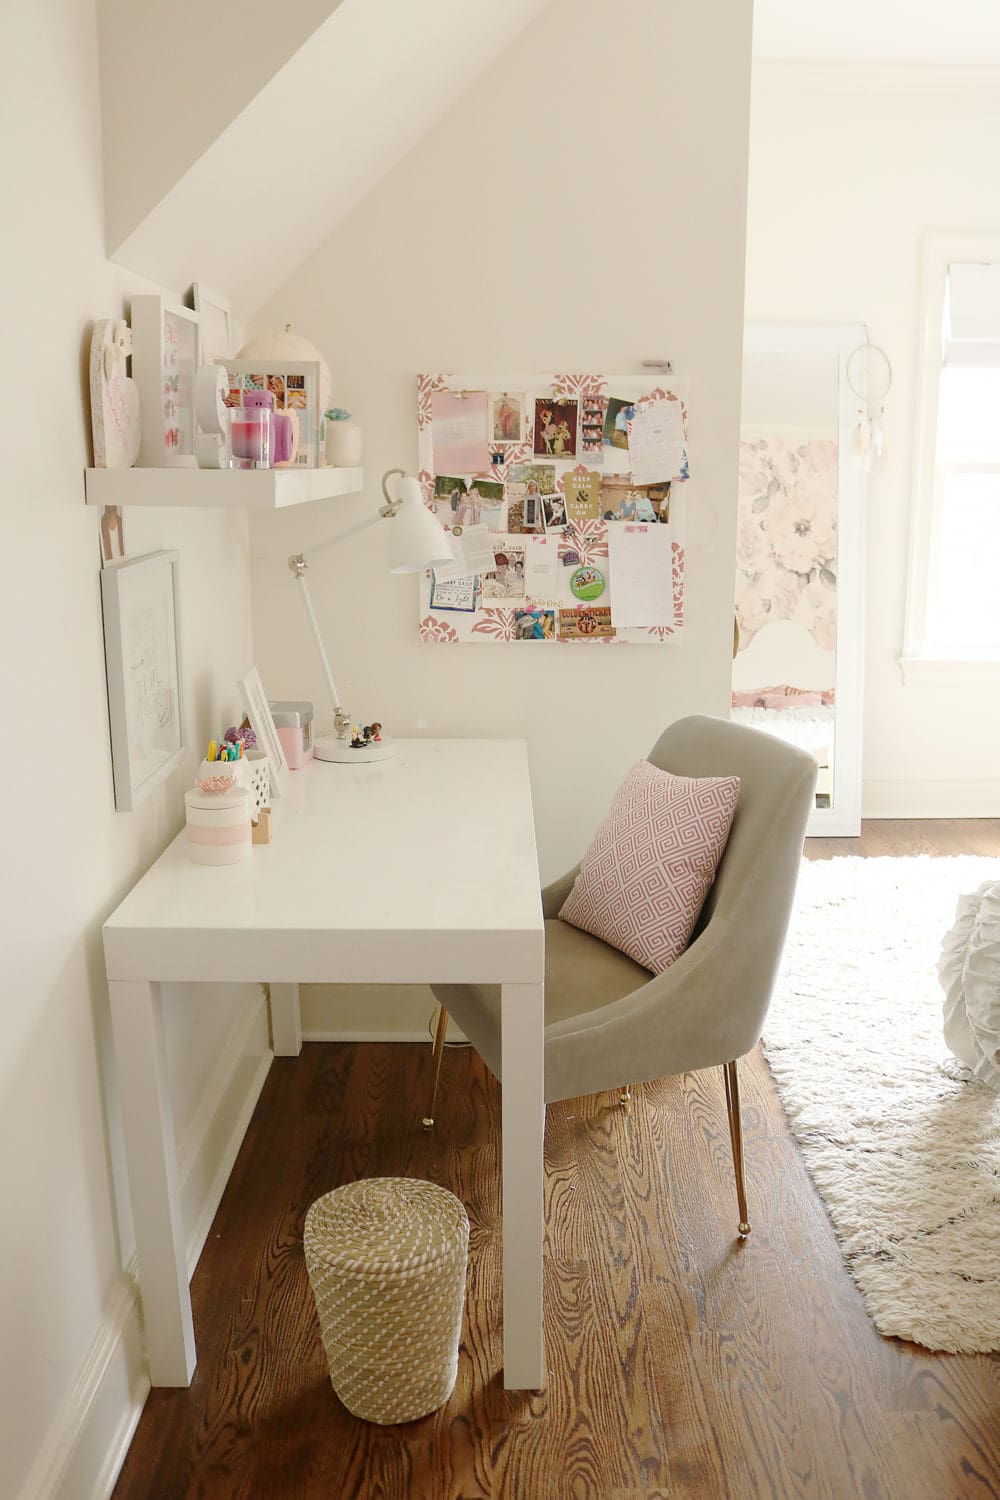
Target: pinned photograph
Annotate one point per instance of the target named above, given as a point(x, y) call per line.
point(591, 424)
point(481, 505)
point(506, 581)
point(556, 424)
point(449, 493)
point(526, 486)
point(617, 415)
point(534, 624)
point(621, 500)
point(507, 417)
point(554, 508)
point(586, 624)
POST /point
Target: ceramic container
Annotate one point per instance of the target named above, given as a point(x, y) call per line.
point(218, 824)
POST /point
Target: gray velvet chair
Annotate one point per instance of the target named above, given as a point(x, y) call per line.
point(610, 1023)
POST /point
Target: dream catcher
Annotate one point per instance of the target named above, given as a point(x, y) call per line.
point(869, 375)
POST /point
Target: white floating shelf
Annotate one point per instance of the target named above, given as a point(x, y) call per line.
point(232, 489)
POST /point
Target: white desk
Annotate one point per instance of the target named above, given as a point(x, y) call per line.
point(411, 870)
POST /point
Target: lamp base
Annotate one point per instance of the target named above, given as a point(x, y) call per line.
point(328, 747)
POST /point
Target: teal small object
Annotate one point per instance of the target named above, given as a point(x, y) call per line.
point(337, 414)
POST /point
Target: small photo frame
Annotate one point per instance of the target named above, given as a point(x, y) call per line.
point(262, 722)
point(142, 649)
point(164, 361)
point(215, 341)
point(295, 386)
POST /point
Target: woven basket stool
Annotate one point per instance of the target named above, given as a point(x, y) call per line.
point(387, 1259)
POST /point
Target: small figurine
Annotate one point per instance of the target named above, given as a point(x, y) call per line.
point(377, 732)
point(357, 739)
point(367, 732)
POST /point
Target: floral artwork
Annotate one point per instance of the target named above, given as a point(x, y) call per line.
point(786, 551)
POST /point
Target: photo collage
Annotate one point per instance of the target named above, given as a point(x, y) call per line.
point(559, 527)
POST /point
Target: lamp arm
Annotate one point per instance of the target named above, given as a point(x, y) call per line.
point(298, 567)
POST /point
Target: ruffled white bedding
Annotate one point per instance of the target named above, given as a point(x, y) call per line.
point(809, 729)
point(969, 970)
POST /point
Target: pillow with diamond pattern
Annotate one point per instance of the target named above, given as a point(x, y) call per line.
point(645, 877)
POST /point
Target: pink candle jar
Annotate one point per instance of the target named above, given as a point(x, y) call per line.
point(250, 437)
point(283, 429)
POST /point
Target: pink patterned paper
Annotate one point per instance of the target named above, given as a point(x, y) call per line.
point(645, 877)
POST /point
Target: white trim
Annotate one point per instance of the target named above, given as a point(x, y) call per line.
point(957, 671)
point(843, 818)
point(358, 1034)
point(939, 250)
point(876, 77)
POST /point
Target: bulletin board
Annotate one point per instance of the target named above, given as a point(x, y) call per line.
point(564, 496)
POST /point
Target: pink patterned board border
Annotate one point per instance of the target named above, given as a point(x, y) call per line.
point(520, 617)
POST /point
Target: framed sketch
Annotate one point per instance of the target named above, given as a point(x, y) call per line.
point(261, 721)
point(164, 361)
point(215, 335)
point(142, 649)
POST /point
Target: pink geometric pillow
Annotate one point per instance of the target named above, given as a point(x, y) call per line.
point(645, 877)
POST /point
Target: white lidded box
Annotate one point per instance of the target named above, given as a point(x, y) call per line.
point(218, 825)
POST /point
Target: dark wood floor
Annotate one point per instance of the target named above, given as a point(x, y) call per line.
point(681, 1363)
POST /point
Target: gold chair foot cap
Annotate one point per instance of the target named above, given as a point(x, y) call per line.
point(427, 1122)
point(743, 1230)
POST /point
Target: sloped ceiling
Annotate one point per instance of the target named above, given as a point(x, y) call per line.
point(878, 31)
point(316, 137)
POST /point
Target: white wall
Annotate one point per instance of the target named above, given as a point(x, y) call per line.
point(848, 171)
point(473, 253)
point(68, 1324)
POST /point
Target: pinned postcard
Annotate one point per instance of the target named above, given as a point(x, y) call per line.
point(508, 421)
point(556, 424)
point(656, 442)
point(592, 425)
point(583, 495)
point(534, 624)
point(474, 553)
point(505, 580)
point(458, 432)
point(541, 567)
point(455, 593)
point(589, 623)
point(641, 563)
point(554, 511)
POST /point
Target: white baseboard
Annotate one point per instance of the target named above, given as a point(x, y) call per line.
point(968, 798)
point(87, 1443)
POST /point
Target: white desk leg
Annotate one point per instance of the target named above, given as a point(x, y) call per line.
point(522, 1043)
point(147, 1121)
point(286, 1020)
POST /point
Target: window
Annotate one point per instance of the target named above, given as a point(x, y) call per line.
point(954, 601)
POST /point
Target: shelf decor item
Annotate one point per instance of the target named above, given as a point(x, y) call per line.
point(114, 397)
point(258, 712)
point(164, 361)
point(142, 648)
point(294, 385)
point(217, 817)
point(215, 338)
point(343, 439)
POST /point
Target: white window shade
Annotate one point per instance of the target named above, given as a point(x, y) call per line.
point(972, 315)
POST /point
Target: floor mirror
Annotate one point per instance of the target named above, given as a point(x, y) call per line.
point(797, 664)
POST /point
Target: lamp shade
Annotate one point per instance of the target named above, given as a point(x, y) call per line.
point(417, 540)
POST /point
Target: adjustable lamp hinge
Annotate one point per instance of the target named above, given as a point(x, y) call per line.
point(298, 565)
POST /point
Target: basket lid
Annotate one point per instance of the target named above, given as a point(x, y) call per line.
point(236, 796)
point(388, 1225)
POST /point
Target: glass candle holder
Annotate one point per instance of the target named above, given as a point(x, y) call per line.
point(250, 437)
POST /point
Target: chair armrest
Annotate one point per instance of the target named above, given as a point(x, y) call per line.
point(554, 894)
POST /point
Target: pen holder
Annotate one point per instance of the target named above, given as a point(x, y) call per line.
point(252, 772)
point(218, 823)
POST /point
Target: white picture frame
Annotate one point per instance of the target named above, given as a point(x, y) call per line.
point(164, 362)
point(140, 599)
point(262, 723)
point(215, 329)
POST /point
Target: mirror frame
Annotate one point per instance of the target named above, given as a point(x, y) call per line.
point(843, 818)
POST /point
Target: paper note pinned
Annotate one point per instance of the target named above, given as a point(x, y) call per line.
point(455, 593)
point(541, 567)
point(474, 548)
point(656, 442)
point(458, 432)
point(641, 564)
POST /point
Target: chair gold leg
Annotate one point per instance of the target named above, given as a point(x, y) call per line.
point(732, 1082)
point(442, 1027)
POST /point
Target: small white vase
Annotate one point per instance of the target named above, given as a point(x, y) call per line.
point(343, 444)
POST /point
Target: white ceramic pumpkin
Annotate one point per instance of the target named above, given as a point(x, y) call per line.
point(288, 345)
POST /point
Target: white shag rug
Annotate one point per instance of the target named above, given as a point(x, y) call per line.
point(902, 1143)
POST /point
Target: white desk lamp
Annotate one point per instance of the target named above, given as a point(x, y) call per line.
point(417, 540)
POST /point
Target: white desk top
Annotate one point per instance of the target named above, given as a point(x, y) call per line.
point(418, 867)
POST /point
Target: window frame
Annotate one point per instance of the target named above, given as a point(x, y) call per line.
point(921, 662)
